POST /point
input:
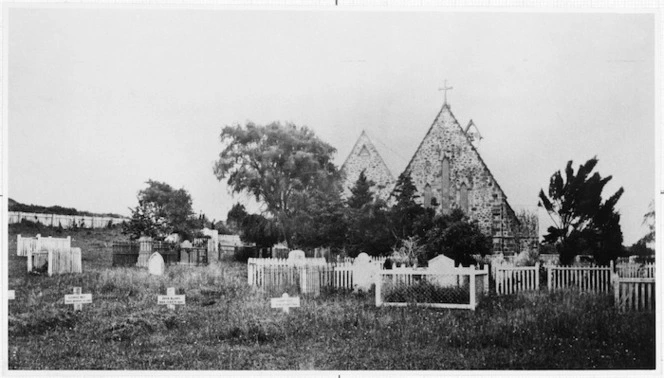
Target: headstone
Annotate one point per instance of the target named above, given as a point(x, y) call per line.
point(186, 244)
point(444, 271)
point(285, 302)
point(170, 299)
point(145, 250)
point(11, 295)
point(78, 299)
point(296, 255)
point(156, 264)
point(364, 272)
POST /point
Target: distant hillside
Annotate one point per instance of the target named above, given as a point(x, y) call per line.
point(59, 210)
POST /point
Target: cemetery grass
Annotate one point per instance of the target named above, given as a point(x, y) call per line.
point(227, 325)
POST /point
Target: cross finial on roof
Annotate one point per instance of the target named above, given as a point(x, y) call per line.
point(445, 88)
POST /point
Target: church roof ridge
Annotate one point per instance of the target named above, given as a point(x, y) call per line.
point(365, 136)
point(446, 106)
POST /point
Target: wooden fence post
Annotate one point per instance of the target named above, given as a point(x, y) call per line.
point(50, 262)
point(549, 277)
point(473, 298)
point(616, 291)
point(379, 281)
point(537, 275)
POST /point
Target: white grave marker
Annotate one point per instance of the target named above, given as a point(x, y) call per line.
point(11, 295)
point(78, 299)
point(170, 299)
point(285, 302)
point(156, 264)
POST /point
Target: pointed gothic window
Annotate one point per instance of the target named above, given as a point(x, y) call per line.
point(445, 184)
point(427, 196)
point(463, 198)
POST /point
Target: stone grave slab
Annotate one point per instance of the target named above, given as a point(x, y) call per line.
point(156, 265)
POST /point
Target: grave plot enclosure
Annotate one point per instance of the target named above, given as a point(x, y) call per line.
point(459, 288)
point(132, 253)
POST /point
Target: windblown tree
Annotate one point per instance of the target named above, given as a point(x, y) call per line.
point(161, 211)
point(276, 164)
point(649, 220)
point(583, 222)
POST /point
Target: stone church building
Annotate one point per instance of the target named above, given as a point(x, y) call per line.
point(365, 157)
point(448, 172)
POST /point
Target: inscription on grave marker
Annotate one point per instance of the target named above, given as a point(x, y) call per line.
point(78, 299)
point(170, 299)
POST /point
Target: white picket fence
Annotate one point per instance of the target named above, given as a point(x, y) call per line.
point(57, 253)
point(456, 288)
point(25, 246)
point(64, 261)
point(512, 279)
point(632, 270)
point(66, 221)
point(595, 279)
point(634, 294)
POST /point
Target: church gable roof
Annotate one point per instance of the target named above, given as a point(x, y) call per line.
point(445, 119)
point(365, 157)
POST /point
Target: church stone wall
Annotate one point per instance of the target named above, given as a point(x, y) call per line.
point(486, 202)
point(364, 156)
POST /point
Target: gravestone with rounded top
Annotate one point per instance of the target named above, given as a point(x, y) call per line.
point(156, 264)
point(296, 255)
point(364, 272)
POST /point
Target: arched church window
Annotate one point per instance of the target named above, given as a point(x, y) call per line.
point(445, 183)
point(463, 198)
point(427, 196)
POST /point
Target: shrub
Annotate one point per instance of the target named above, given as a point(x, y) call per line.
point(243, 254)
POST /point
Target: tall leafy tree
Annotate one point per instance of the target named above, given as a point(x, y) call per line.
point(161, 210)
point(583, 222)
point(276, 164)
point(454, 236)
point(368, 221)
point(406, 213)
point(319, 220)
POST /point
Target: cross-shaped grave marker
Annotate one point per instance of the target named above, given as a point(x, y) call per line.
point(285, 302)
point(78, 299)
point(170, 299)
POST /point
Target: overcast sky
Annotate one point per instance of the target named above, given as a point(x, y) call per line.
point(102, 100)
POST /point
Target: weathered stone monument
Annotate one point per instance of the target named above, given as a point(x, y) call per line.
point(364, 272)
point(296, 256)
point(145, 250)
point(156, 265)
point(444, 271)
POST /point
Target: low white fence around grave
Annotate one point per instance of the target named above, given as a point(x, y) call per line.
point(54, 253)
point(634, 294)
point(24, 245)
point(511, 279)
point(308, 275)
point(633, 270)
point(595, 279)
point(457, 288)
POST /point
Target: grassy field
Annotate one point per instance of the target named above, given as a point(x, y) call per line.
point(227, 325)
